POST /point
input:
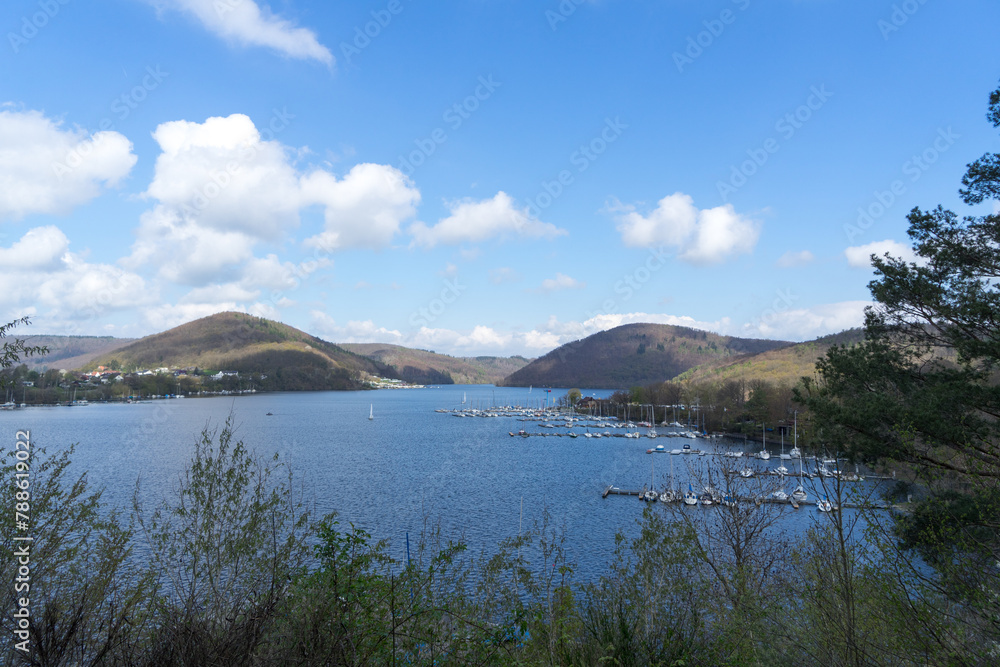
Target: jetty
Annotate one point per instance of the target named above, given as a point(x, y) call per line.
point(612, 490)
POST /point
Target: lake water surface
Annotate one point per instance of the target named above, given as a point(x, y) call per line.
point(391, 473)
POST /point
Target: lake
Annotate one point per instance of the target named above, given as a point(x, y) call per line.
point(388, 474)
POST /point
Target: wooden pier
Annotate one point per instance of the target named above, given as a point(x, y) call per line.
point(612, 490)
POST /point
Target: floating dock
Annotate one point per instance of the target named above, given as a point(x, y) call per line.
point(612, 490)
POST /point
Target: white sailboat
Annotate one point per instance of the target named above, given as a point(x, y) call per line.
point(690, 497)
point(371, 412)
point(799, 494)
point(795, 453)
point(763, 450)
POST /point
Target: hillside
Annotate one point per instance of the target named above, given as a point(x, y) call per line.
point(782, 366)
point(291, 359)
point(423, 367)
point(71, 352)
point(634, 354)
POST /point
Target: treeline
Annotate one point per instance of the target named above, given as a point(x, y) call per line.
point(273, 370)
point(235, 571)
point(738, 406)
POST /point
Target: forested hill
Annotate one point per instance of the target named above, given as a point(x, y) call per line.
point(634, 355)
point(425, 367)
point(782, 366)
point(291, 359)
point(70, 352)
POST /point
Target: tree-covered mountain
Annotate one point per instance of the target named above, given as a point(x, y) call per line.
point(634, 354)
point(289, 358)
point(782, 366)
point(70, 352)
point(425, 367)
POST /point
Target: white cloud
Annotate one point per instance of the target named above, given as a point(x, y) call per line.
point(364, 209)
point(806, 323)
point(184, 252)
point(705, 236)
point(40, 249)
point(244, 22)
point(326, 327)
point(46, 169)
point(229, 293)
point(504, 275)
point(561, 282)
point(793, 259)
point(222, 189)
point(792, 325)
point(271, 274)
point(859, 257)
point(476, 221)
point(59, 287)
point(222, 174)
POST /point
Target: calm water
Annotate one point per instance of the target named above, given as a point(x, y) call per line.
point(388, 474)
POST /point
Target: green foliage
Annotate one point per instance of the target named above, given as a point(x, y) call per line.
point(84, 597)
point(222, 554)
point(922, 393)
point(14, 350)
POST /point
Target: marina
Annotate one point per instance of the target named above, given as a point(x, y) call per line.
point(349, 449)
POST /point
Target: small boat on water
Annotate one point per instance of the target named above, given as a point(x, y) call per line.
point(780, 495)
point(746, 472)
point(371, 412)
point(690, 497)
point(824, 506)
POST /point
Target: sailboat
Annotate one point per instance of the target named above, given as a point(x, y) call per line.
point(763, 451)
point(651, 495)
point(371, 412)
point(781, 469)
point(799, 494)
point(796, 453)
point(690, 497)
point(668, 495)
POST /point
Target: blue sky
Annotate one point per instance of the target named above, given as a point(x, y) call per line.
point(477, 176)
